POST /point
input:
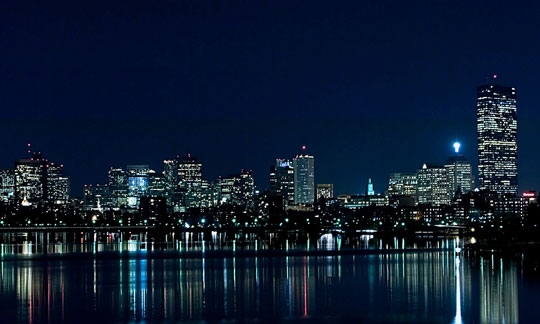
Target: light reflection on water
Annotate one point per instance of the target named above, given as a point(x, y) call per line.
point(429, 287)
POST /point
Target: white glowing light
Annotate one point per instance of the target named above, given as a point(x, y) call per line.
point(457, 145)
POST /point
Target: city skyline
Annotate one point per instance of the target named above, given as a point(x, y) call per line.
point(238, 87)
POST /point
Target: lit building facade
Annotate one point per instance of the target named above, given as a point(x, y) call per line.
point(138, 183)
point(460, 176)
point(497, 139)
point(118, 186)
point(189, 172)
point(432, 185)
point(282, 180)
point(304, 179)
point(30, 179)
point(325, 190)
point(7, 186)
point(402, 184)
point(238, 189)
point(57, 185)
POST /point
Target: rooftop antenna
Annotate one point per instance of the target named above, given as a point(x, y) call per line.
point(29, 147)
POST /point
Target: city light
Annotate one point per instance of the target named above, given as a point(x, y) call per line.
point(457, 145)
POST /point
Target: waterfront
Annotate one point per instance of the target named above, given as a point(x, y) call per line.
point(400, 280)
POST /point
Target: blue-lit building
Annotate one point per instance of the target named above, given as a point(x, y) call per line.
point(138, 183)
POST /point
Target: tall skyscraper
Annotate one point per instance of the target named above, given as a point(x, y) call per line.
point(282, 180)
point(459, 171)
point(189, 172)
point(57, 184)
point(433, 185)
point(497, 138)
point(118, 186)
point(30, 179)
point(304, 179)
point(170, 172)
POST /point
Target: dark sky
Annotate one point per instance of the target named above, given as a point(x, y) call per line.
point(371, 87)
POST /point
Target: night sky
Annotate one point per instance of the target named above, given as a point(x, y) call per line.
point(370, 87)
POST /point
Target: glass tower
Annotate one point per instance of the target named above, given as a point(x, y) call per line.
point(497, 139)
point(304, 179)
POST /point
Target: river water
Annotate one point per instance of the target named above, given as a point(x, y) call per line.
point(122, 277)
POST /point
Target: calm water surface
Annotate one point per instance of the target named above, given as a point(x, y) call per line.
point(99, 277)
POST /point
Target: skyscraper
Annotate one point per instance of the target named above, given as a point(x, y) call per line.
point(459, 171)
point(282, 180)
point(30, 179)
point(137, 183)
point(497, 138)
point(304, 179)
point(433, 185)
point(189, 172)
point(57, 184)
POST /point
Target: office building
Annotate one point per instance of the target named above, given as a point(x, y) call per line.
point(138, 179)
point(460, 176)
point(497, 139)
point(30, 179)
point(57, 185)
point(432, 185)
point(282, 180)
point(402, 184)
point(304, 179)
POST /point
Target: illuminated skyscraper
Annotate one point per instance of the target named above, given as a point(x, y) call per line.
point(170, 172)
point(118, 186)
point(189, 172)
point(433, 185)
point(282, 180)
point(137, 183)
point(497, 138)
point(30, 179)
point(459, 172)
point(57, 184)
point(304, 179)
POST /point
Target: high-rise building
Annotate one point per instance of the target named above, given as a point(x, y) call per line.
point(30, 179)
point(137, 183)
point(118, 186)
point(282, 180)
point(7, 186)
point(157, 185)
point(304, 179)
point(57, 185)
point(189, 172)
point(237, 189)
point(402, 184)
point(433, 187)
point(459, 171)
point(325, 190)
point(170, 172)
point(497, 139)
